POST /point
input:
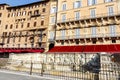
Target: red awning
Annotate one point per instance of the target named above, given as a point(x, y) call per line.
point(21, 50)
point(87, 48)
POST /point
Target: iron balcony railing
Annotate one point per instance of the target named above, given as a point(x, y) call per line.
point(89, 17)
point(102, 35)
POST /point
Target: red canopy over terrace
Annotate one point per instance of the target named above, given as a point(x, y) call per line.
point(112, 48)
point(21, 50)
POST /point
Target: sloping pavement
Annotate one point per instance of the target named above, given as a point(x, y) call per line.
point(6, 75)
point(15, 75)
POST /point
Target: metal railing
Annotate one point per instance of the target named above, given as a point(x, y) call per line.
point(101, 35)
point(68, 66)
point(89, 17)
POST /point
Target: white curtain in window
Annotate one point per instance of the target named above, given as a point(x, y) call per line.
point(112, 30)
point(64, 6)
point(77, 33)
point(53, 9)
point(92, 13)
point(52, 35)
point(110, 10)
point(77, 4)
point(63, 17)
point(93, 31)
point(63, 34)
point(108, 0)
point(53, 19)
point(89, 2)
point(92, 2)
point(77, 15)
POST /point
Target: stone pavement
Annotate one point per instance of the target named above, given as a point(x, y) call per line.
point(15, 75)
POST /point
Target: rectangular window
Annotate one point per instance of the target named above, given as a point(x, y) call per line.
point(9, 15)
point(36, 12)
point(110, 11)
point(11, 26)
point(26, 38)
point(62, 34)
point(35, 23)
point(112, 30)
point(44, 4)
point(19, 13)
point(43, 10)
point(24, 13)
point(89, 2)
point(53, 19)
point(108, 0)
point(14, 39)
point(77, 4)
point(63, 17)
point(16, 26)
point(77, 15)
point(8, 39)
point(92, 2)
point(19, 39)
point(64, 6)
point(93, 31)
point(53, 10)
point(77, 33)
point(29, 13)
point(28, 24)
point(20, 36)
point(6, 26)
point(42, 22)
point(92, 13)
point(51, 35)
point(5, 33)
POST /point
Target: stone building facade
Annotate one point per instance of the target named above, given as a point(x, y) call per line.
point(24, 26)
point(50, 23)
point(88, 22)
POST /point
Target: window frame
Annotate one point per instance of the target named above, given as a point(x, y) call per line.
point(77, 15)
point(75, 5)
point(110, 10)
point(92, 13)
point(92, 2)
point(64, 6)
point(63, 16)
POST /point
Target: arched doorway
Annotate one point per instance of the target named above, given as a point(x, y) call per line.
point(51, 45)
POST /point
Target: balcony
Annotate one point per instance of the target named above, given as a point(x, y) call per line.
point(35, 28)
point(35, 15)
point(87, 36)
point(99, 19)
